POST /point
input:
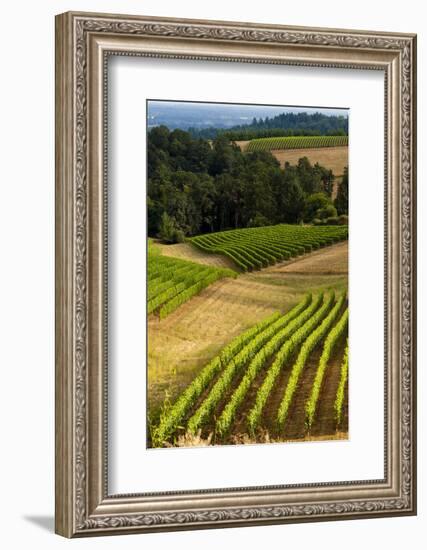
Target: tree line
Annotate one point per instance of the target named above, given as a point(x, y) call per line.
point(284, 124)
point(198, 186)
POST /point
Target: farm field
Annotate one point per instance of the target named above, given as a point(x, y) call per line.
point(184, 342)
point(186, 251)
point(171, 281)
point(259, 247)
point(332, 260)
point(252, 387)
point(296, 142)
point(247, 274)
point(333, 158)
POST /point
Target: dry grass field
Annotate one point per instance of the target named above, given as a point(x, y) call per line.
point(183, 342)
point(333, 158)
point(332, 260)
point(186, 251)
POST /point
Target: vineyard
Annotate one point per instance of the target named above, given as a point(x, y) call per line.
point(258, 247)
point(266, 380)
point(172, 281)
point(296, 142)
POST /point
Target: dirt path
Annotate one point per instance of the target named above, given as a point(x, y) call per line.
point(186, 251)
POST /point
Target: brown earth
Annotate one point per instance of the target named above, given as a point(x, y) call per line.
point(325, 421)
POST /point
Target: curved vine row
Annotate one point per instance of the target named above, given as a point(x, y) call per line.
point(328, 347)
point(308, 321)
point(258, 247)
point(312, 339)
point(217, 392)
point(172, 418)
point(293, 317)
point(172, 281)
point(339, 400)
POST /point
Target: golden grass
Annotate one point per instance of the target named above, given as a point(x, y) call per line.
point(333, 158)
point(189, 440)
point(186, 251)
point(332, 260)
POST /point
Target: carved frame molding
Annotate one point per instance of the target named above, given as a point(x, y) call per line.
point(83, 43)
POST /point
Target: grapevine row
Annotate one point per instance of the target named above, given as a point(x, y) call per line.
point(328, 347)
point(339, 400)
point(188, 293)
point(307, 323)
point(224, 422)
point(254, 248)
point(173, 417)
point(235, 365)
point(172, 281)
point(312, 339)
point(296, 142)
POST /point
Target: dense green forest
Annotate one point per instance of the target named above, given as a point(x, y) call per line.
point(198, 186)
point(285, 124)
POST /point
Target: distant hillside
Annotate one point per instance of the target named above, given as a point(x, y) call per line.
point(284, 124)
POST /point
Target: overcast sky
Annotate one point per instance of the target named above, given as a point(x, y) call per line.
point(248, 110)
point(185, 114)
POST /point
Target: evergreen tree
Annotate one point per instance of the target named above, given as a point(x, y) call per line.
point(341, 202)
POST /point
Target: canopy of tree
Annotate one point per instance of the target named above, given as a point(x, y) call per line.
point(341, 202)
point(196, 186)
point(285, 124)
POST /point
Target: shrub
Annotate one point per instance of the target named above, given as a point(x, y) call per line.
point(169, 230)
point(315, 204)
point(259, 221)
point(329, 211)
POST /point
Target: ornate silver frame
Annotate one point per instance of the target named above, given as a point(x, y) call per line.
point(83, 42)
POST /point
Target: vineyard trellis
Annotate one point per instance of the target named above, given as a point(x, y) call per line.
point(339, 400)
point(313, 337)
point(172, 281)
point(328, 347)
point(296, 142)
point(257, 247)
point(218, 395)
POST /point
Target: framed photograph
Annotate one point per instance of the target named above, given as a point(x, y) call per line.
point(235, 274)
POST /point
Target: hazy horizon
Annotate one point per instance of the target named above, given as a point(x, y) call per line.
point(187, 114)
